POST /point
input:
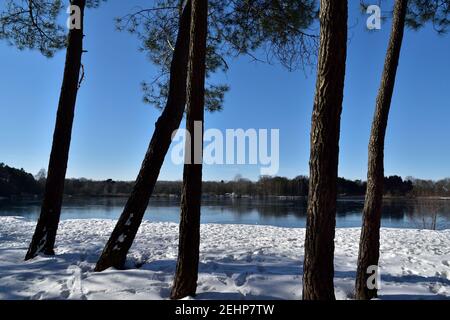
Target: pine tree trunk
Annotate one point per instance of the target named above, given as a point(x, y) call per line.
point(369, 248)
point(43, 240)
point(185, 282)
point(319, 243)
point(121, 239)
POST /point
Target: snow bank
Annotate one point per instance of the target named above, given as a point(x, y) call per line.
point(237, 262)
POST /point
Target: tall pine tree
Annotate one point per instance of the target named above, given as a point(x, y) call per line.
point(33, 24)
point(185, 283)
point(318, 268)
point(415, 14)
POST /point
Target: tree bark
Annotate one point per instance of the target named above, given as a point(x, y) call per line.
point(116, 249)
point(185, 282)
point(321, 219)
point(43, 240)
point(369, 248)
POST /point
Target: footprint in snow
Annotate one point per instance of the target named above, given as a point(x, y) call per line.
point(241, 279)
point(38, 296)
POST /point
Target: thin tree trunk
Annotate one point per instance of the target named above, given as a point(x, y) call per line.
point(319, 244)
point(185, 282)
point(369, 248)
point(43, 240)
point(116, 249)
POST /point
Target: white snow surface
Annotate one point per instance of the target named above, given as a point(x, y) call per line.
point(236, 262)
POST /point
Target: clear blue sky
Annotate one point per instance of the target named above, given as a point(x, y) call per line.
point(113, 126)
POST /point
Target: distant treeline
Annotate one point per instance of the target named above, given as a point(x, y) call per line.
point(430, 188)
point(17, 182)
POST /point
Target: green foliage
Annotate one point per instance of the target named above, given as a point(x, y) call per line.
point(35, 24)
point(280, 28)
point(157, 28)
point(421, 12)
point(32, 24)
point(437, 12)
point(236, 27)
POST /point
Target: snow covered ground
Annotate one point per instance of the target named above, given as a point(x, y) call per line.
point(237, 262)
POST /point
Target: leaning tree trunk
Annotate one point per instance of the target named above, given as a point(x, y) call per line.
point(185, 282)
point(319, 244)
point(115, 252)
point(43, 240)
point(369, 248)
